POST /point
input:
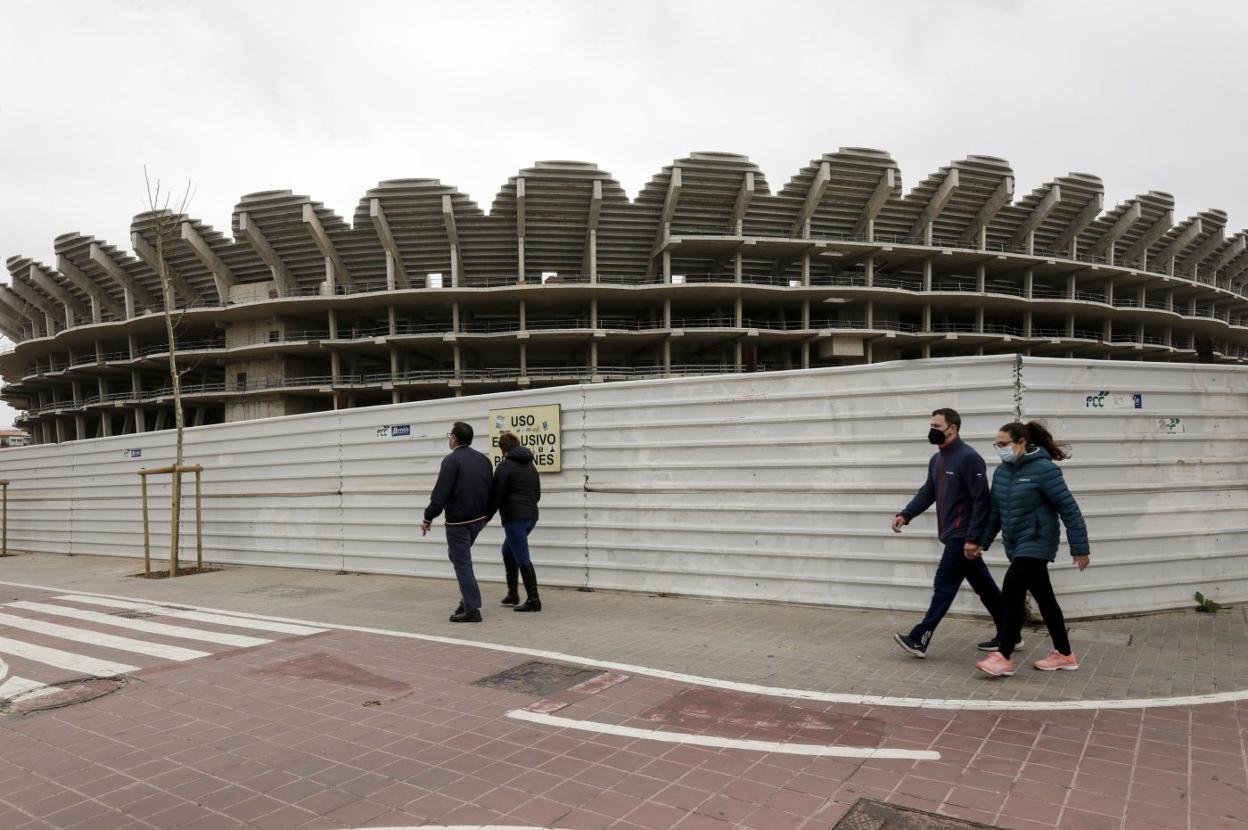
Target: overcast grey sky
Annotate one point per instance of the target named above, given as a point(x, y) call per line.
point(329, 98)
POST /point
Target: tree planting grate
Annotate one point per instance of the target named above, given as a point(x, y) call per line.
point(538, 678)
point(876, 815)
point(60, 695)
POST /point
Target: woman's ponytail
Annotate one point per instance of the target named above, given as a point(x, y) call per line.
point(1038, 435)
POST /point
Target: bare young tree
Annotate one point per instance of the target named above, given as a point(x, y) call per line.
point(164, 224)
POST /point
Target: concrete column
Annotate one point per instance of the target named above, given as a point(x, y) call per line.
point(1029, 283)
point(805, 269)
point(128, 302)
point(870, 269)
point(593, 356)
point(739, 313)
point(523, 318)
point(871, 230)
point(979, 319)
point(1027, 318)
point(667, 358)
point(667, 267)
point(981, 278)
point(455, 318)
point(394, 363)
point(593, 313)
point(458, 362)
point(927, 317)
point(520, 257)
point(524, 359)
point(335, 367)
point(1070, 325)
point(738, 364)
point(1072, 287)
point(133, 344)
point(667, 313)
point(333, 324)
point(391, 279)
point(1109, 291)
point(593, 257)
point(394, 321)
point(870, 316)
point(927, 238)
point(806, 314)
point(736, 268)
point(927, 272)
point(106, 424)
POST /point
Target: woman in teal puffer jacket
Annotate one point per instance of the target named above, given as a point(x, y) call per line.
point(1029, 494)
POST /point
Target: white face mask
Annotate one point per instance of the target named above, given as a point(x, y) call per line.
point(1007, 455)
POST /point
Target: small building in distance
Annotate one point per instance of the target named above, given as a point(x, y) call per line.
point(13, 438)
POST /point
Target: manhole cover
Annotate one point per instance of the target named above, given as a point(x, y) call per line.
point(876, 815)
point(60, 695)
point(538, 678)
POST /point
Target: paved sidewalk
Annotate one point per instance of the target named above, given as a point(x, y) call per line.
point(324, 728)
point(829, 649)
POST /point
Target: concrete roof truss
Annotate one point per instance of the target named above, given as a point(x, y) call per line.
point(452, 233)
point(48, 307)
point(1150, 236)
point(382, 226)
point(147, 253)
point(1186, 237)
point(999, 199)
point(128, 284)
point(1233, 250)
point(814, 195)
point(102, 298)
point(1125, 222)
point(1038, 214)
point(1079, 224)
point(45, 281)
point(931, 212)
point(879, 197)
point(325, 245)
point(222, 275)
point(253, 234)
point(591, 229)
point(744, 195)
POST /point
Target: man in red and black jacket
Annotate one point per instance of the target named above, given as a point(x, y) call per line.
point(957, 483)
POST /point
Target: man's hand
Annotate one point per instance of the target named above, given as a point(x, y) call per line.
point(1082, 562)
point(898, 523)
point(424, 527)
point(972, 551)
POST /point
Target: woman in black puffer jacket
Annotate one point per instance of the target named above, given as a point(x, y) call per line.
point(517, 490)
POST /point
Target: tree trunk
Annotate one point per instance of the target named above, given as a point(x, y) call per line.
point(175, 522)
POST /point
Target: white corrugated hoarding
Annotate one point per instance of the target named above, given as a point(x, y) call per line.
point(776, 486)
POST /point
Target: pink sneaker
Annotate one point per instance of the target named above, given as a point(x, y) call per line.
point(997, 665)
point(1056, 661)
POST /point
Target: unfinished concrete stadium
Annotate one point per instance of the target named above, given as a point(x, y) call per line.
point(566, 280)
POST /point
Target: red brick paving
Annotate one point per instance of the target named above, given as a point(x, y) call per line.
point(345, 729)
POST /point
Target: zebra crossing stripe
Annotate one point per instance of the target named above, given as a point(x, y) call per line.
point(219, 637)
point(14, 686)
point(197, 616)
point(97, 638)
point(64, 659)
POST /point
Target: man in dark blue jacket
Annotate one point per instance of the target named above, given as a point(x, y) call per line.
point(464, 490)
point(957, 483)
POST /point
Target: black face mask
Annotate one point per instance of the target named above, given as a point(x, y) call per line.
point(935, 436)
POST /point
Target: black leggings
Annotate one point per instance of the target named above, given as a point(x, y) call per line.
point(1029, 574)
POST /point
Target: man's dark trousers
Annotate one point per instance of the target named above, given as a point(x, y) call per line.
point(955, 567)
point(459, 540)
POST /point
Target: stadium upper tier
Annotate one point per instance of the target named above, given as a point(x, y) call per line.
point(565, 279)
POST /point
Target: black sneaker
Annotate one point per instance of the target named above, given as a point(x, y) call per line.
point(472, 616)
point(995, 645)
point(911, 645)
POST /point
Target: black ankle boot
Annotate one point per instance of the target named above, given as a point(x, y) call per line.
point(534, 602)
point(513, 579)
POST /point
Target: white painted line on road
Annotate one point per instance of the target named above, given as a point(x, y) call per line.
point(733, 685)
point(64, 659)
point(16, 685)
point(714, 742)
point(216, 617)
point(221, 638)
point(96, 638)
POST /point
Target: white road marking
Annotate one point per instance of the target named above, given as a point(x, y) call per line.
point(16, 685)
point(731, 685)
point(215, 617)
point(814, 750)
point(221, 638)
point(64, 659)
point(96, 638)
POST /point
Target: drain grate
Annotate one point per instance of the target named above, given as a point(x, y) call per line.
point(60, 695)
point(876, 815)
point(133, 615)
point(538, 678)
